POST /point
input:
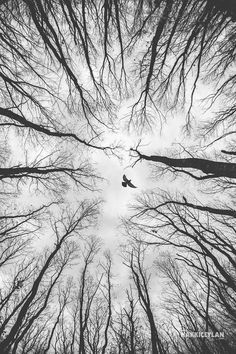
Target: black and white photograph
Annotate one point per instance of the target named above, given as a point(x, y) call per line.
point(117, 177)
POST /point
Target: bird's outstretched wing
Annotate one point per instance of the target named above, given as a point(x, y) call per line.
point(131, 184)
point(125, 179)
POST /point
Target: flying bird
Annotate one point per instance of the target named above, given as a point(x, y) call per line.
point(127, 182)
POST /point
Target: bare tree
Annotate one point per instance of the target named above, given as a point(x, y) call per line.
point(40, 277)
point(134, 260)
point(180, 35)
point(129, 333)
point(201, 242)
point(210, 168)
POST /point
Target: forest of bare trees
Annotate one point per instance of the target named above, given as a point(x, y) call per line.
point(67, 67)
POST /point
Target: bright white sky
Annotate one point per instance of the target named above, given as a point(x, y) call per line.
point(117, 198)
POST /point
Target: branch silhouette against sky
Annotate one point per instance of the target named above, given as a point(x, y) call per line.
point(97, 96)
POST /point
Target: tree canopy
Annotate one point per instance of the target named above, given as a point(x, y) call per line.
point(67, 69)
